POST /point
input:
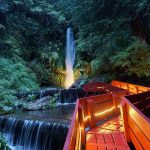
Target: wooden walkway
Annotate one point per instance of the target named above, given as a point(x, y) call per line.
point(108, 136)
point(112, 135)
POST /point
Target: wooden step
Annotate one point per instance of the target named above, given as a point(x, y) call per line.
point(108, 136)
point(113, 141)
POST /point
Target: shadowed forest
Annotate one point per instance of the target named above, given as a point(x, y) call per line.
point(112, 39)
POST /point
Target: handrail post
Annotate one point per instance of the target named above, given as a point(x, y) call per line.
point(114, 100)
point(137, 89)
point(120, 84)
point(125, 120)
point(91, 113)
point(128, 89)
point(82, 127)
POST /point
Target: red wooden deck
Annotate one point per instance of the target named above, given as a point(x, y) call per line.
point(108, 136)
point(114, 134)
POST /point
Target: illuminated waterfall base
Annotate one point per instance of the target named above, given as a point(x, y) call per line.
point(70, 57)
point(69, 77)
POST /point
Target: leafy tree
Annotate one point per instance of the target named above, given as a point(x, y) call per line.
point(135, 60)
point(14, 77)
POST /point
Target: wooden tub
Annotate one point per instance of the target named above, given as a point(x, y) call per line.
point(135, 110)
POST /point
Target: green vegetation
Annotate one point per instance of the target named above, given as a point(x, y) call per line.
point(134, 60)
point(14, 77)
point(3, 144)
point(112, 42)
point(52, 101)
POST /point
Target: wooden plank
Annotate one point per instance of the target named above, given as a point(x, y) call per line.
point(91, 112)
point(102, 148)
point(142, 121)
point(100, 139)
point(77, 145)
point(100, 86)
point(141, 101)
point(135, 141)
point(107, 111)
point(71, 136)
point(138, 97)
point(138, 133)
point(131, 87)
point(125, 120)
point(146, 111)
point(111, 148)
point(115, 100)
point(142, 104)
point(103, 106)
point(109, 140)
point(91, 147)
point(91, 138)
point(81, 121)
point(100, 98)
point(119, 140)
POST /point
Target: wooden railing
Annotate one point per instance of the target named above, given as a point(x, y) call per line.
point(92, 110)
point(136, 123)
point(132, 88)
point(100, 86)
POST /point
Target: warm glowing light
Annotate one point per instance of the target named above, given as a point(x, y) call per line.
point(104, 112)
point(101, 113)
point(86, 118)
point(69, 77)
point(100, 87)
point(81, 128)
point(80, 139)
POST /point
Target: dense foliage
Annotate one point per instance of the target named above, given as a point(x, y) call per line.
point(13, 77)
point(112, 42)
point(113, 39)
point(3, 144)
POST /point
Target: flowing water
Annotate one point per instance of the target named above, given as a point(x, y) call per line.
point(41, 130)
point(70, 57)
point(45, 130)
point(70, 95)
point(37, 130)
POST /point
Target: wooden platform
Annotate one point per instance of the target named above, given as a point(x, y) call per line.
point(92, 110)
point(108, 136)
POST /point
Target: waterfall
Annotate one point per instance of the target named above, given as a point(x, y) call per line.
point(68, 96)
point(70, 57)
point(33, 135)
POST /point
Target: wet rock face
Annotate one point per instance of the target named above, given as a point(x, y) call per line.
point(39, 104)
point(51, 97)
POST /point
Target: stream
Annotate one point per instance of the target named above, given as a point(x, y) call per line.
point(37, 130)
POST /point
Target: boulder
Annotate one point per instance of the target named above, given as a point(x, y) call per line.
point(40, 104)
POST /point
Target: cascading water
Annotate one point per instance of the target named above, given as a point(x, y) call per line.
point(70, 57)
point(33, 135)
point(28, 134)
